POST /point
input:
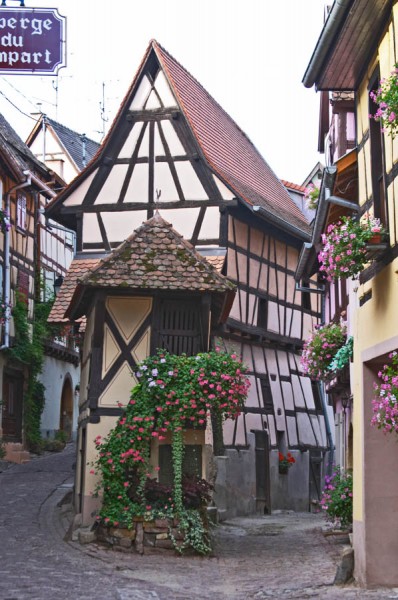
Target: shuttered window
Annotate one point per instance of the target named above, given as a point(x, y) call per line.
point(179, 327)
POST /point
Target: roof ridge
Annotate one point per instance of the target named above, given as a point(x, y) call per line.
point(206, 92)
point(57, 123)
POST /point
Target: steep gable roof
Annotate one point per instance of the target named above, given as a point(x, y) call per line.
point(17, 154)
point(226, 147)
point(71, 141)
point(227, 150)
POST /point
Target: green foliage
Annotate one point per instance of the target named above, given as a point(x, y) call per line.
point(336, 499)
point(61, 436)
point(173, 391)
point(311, 194)
point(2, 449)
point(28, 348)
point(342, 356)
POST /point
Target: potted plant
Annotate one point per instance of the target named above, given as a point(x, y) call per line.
point(285, 462)
point(321, 348)
point(385, 401)
point(344, 246)
point(386, 96)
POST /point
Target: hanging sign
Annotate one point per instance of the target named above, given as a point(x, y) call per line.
point(32, 41)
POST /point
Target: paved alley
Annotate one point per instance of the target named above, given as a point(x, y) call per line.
point(279, 556)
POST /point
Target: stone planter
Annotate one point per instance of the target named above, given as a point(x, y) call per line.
point(145, 537)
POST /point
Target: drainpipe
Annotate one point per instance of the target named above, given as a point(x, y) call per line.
point(7, 275)
point(325, 406)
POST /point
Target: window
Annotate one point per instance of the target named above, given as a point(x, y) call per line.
point(267, 396)
point(21, 212)
point(262, 317)
point(377, 156)
point(305, 296)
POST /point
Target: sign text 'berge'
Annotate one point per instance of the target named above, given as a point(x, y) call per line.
point(32, 41)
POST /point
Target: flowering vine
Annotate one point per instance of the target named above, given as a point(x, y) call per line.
point(385, 402)
point(320, 349)
point(386, 96)
point(173, 392)
point(344, 251)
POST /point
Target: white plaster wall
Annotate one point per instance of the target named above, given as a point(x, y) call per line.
point(53, 376)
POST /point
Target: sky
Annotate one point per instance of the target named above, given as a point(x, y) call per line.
point(250, 55)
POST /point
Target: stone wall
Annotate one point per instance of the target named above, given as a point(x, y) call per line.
point(235, 484)
point(145, 537)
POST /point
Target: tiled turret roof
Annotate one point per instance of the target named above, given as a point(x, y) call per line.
point(155, 256)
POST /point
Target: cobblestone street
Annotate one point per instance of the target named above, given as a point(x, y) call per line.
point(279, 556)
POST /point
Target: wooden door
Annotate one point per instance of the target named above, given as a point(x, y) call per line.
point(263, 488)
point(12, 407)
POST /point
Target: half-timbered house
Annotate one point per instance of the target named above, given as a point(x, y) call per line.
point(356, 50)
point(60, 148)
point(172, 148)
point(27, 251)
point(65, 152)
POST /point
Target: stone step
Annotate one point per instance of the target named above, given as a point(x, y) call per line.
point(15, 453)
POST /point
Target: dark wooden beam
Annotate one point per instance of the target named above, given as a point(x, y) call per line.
point(130, 206)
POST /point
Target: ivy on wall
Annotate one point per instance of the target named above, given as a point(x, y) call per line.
point(28, 349)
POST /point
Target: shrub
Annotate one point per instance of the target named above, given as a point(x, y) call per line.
point(336, 499)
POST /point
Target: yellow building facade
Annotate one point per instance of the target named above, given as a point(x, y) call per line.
point(357, 49)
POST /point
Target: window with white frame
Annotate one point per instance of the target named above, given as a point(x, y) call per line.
point(21, 211)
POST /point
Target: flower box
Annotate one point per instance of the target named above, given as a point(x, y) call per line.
point(345, 246)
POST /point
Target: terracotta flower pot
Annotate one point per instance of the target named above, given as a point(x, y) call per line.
point(375, 239)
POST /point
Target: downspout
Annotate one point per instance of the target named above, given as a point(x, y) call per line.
point(325, 406)
point(7, 274)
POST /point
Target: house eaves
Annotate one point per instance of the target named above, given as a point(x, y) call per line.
point(347, 42)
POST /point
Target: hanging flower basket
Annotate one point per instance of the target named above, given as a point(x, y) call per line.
point(320, 358)
point(344, 251)
point(385, 401)
point(386, 96)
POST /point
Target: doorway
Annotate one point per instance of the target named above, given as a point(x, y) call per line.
point(12, 406)
point(66, 415)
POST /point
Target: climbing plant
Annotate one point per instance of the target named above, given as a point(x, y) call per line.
point(28, 348)
point(173, 392)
